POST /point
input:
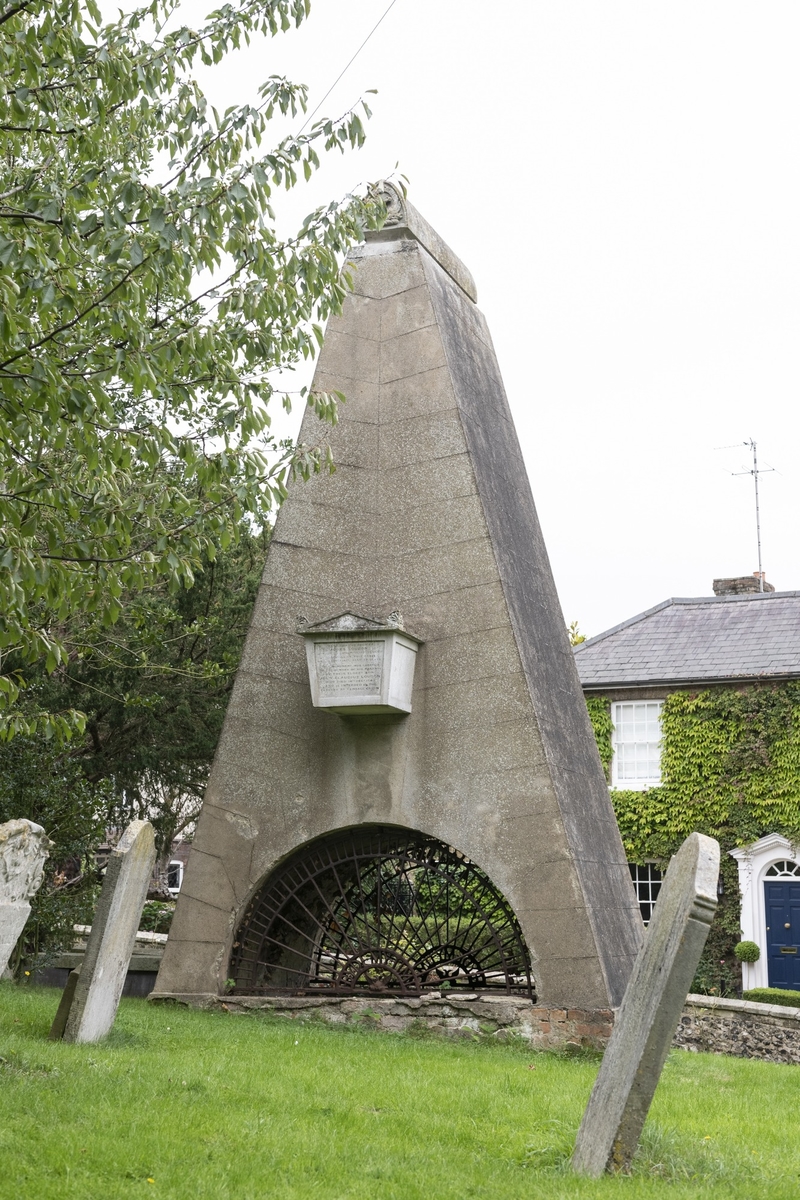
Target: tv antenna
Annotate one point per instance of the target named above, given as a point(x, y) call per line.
point(755, 471)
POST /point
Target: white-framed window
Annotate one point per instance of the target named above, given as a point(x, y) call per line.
point(637, 744)
point(174, 876)
point(647, 884)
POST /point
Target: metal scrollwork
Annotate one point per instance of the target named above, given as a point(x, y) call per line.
point(379, 910)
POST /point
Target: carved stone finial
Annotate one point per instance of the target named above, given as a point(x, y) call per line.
point(24, 847)
point(396, 211)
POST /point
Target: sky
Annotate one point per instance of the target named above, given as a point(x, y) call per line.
point(623, 181)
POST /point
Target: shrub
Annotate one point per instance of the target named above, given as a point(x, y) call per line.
point(769, 995)
point(747, 952)
point(157, 916)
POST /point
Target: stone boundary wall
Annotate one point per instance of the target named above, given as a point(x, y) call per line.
point(740, 1027)
point(469, 1015)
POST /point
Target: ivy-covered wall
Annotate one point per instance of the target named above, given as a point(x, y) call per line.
point(730, 767)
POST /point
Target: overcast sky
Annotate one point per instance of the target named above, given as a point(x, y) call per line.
point(622, 179)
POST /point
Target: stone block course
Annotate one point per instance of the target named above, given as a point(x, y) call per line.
point(361, 312)
point(429, 483)
point(416, 395)
point(422, 439)
point(411, 353)
point(353, 357)
point(394, 269)
point(414, 311)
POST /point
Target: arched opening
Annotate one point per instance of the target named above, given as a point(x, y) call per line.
point(379, 910)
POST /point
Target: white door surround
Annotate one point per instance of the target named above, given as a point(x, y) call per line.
point(754, 862)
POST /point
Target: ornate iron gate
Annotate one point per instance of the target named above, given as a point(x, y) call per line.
point(379, 910)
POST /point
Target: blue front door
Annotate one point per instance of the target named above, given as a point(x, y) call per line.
point(783, 933)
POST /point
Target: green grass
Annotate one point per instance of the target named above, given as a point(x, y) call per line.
point(186, 1105)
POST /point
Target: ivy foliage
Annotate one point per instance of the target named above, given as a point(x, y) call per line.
point(146, 298)
point(600, 717)
point(730, 766)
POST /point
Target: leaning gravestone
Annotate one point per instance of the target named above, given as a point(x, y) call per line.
point(110, 945)
point(24, 847)
point(650, 1010)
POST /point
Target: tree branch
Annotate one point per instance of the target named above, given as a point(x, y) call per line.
point(12, 12)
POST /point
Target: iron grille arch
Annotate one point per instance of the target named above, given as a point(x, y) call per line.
point(379, 910)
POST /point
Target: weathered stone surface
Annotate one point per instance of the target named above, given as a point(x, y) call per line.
point(740, 1027)
point(474, 1015)
point(24, 847)
point(114, 927)
point(59, 1025)
point(650, 1010)
point(429, 512)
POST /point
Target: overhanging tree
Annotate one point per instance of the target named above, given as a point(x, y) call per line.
point(154, 689)
point(145, 301)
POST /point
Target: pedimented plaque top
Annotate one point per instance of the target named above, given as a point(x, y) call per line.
point(350, 622)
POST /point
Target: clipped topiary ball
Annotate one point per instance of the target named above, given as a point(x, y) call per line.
point(747, 952)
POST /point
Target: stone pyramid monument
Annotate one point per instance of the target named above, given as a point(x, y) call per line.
point(426, 540)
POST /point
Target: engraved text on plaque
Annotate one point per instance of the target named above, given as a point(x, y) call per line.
point(349, 668)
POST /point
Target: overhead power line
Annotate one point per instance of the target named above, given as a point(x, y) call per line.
point(346, 68)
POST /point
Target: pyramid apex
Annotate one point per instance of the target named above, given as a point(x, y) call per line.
point(403, 221)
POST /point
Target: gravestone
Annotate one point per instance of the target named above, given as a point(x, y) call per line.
point(110, 944)
point(462, 721)
point(650, 1011)
point(64, 1005)
point(24, 847)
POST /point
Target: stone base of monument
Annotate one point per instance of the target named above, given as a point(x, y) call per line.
point(471, 1014)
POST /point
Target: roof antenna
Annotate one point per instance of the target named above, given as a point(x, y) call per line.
point(755, 471)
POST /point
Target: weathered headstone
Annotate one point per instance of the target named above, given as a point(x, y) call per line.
point(64, 1005)
point(110, 945)
point(24, 847)
point(650, 1010)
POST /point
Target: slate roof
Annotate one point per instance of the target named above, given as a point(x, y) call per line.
point(709, 639)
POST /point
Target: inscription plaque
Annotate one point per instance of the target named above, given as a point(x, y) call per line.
point(359, 665)
point(349, 668)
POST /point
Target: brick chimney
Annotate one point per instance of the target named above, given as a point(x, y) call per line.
point(742, 585)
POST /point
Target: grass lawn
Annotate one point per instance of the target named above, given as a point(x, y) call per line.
point(186, 1105)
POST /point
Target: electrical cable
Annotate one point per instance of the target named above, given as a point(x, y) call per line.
point(346, 68)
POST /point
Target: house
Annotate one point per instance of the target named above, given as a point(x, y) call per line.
point(696, 707)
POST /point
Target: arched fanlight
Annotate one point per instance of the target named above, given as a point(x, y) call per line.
point(379, 910)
